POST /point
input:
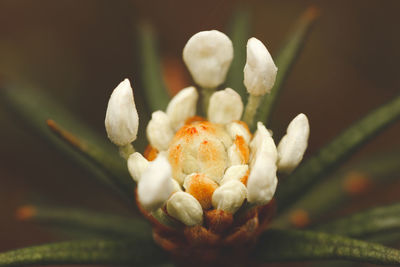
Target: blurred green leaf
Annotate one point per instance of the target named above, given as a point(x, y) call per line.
point(239, 32)
point(107, 225)
point(295, 245)
point(309, 172)
point(111, 164)
point(35, 108)
point(285, 61)
point(365, 223)
point(334, 192)
point(99, 251)
point(154, 88)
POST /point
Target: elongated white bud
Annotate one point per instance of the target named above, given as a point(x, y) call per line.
point(235, 173)
point(155, 186)
point(229, 196)
point(208, 55)
point(263, 143)
point(185, 208)
point(225, 106)
point(293, 145)
point(182, 106)
point(137, 164)
point(159, 130)
point(122, 120)
point(260, 70)
point(262, 181)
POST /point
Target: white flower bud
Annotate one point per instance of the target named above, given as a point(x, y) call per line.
point(260, 70)
point(159, 131)
point(229, 196)
point(225, 106)
point(293, 145)
point(234, 173)
point(235, 128)
point(182, 106)
point(137, 164)
point(155, 186)
point(262, 143)
point(208, 55)
point(185, 208)
point(122, 119)
point(262, 181)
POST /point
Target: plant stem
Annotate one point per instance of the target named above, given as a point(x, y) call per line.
point(251, 109)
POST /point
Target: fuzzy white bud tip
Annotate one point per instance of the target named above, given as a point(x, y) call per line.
point(155, 185)
point(293, 145)
point(185, 208)
point(122, 120)
point(159, 131)
point(137, 164)
point(260, 70)
point(262, 181)
point(225, 106)
point(208, 55)
point(182, 106)
point(229, 196)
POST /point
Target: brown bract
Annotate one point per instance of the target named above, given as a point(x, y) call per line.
point(223, 240)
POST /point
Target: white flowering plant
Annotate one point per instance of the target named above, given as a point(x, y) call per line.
point(217, 188)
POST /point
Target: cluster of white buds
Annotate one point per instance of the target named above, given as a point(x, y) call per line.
point(197, 164)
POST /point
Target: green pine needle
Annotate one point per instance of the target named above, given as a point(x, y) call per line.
point(103, 224)
point(239, 32)
point(294, 245)
point(309, 172)
point(365, 223)
point(154, 88)
point(285, 61)
point(110, 164)
point(332, 193)
point(34, 107)
point(99, 251)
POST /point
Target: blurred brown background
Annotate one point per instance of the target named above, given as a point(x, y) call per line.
point(78, 51)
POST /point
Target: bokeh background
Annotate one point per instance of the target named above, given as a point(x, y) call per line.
point(78, 51)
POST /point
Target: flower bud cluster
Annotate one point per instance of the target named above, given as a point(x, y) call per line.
point(202, 164)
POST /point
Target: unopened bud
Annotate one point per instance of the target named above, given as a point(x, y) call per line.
point(229, 196)
point(122, 120)
point(159, 131)
point(137, 164)
point(182, 106)
point(293, 145)
point(185, 208)
point(235, 172)
point(208, 55)
point(155, 186)
point(260, 70)
point(225, 106)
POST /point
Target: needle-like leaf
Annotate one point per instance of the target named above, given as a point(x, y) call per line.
point(103, 224)
point(365, 223)
point(113, 166)
point(239, 32)
point(35, 108)
point(308, 173)
point(154, 88)
point(295, 245)
point(99, 251)
point(332, 193)
point(286, 59)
